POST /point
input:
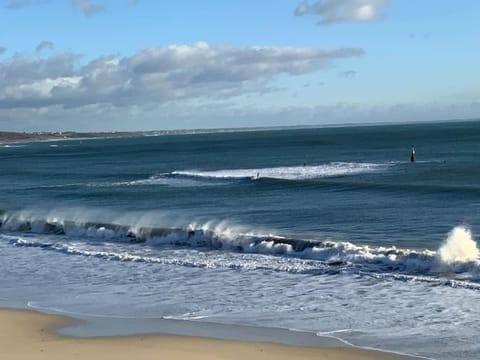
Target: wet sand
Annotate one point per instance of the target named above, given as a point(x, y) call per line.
point(32, 335)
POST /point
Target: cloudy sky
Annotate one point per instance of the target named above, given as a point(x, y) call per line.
point(147, 64)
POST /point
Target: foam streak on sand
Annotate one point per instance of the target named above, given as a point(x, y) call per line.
point(30, 335)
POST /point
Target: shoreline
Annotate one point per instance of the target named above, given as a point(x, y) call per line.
point(16, 137)
point(30, 334)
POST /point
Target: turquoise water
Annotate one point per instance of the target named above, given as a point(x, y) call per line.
point(325, 230)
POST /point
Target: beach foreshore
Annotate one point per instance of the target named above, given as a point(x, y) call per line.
point(26, 334)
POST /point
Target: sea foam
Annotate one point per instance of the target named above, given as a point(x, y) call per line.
point(456, 259)
point(459, 247)
point(289, 172)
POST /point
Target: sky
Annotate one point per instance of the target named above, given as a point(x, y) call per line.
point(121, 65)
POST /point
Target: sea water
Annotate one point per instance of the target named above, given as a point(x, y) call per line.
point(327, 230)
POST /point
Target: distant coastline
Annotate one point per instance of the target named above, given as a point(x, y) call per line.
point(16, 137)
point(7, 137)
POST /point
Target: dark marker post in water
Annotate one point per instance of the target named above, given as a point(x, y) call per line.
point(412, 154)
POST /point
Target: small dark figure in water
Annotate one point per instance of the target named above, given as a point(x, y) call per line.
point(412, 154)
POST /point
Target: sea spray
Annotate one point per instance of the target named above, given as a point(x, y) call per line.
point(459, 247)
point(455, 258)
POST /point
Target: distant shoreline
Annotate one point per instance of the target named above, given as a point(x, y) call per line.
point(9, 137)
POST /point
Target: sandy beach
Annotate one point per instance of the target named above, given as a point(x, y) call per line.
point(32, 335)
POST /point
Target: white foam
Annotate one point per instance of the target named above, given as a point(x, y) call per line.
point(400, 316)
point(190, 178)
point(459, 247)
point(289, 172)
point(165, 180)
point(12, 146)
point(457, 259)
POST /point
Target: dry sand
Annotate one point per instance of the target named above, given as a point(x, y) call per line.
point(31, 335)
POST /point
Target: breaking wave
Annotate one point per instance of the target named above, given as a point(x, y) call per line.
point(306, 172)
point(12, 146)
point(459, 247)
point(328, 175)
point(455, 262)
point(191, 178)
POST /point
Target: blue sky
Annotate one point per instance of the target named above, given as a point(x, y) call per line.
point(138, 65)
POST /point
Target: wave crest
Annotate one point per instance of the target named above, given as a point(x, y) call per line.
point(456, 259)
point(459, 247)
point(305, 172)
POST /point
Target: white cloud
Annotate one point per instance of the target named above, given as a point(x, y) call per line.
point(155, 75)
point(334, 11)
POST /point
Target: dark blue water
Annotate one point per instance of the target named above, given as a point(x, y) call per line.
point(393, 202)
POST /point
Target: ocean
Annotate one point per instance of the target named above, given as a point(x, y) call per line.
point(328, 230)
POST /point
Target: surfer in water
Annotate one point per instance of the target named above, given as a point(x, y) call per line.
point(412, 154)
